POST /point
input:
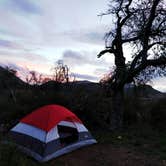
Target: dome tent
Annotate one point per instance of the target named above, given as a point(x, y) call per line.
point(50, 131)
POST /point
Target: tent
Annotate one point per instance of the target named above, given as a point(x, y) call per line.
point(50, 131)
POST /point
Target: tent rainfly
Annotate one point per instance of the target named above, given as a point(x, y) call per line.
point(50, 131)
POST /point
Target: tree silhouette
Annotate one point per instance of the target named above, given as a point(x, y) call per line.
point(61, 72)
point(140, 24)
point(34, 78)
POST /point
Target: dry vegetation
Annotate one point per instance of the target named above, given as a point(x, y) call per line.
point(135, 144)
point(141, 142)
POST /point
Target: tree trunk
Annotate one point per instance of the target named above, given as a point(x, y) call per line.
point(116, 115)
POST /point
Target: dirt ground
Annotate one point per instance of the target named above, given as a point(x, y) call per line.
point(107, 155)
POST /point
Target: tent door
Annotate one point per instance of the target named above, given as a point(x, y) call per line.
point(67, 135)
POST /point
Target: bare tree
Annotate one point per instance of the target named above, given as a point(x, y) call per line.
point(140, 24)
point(61, 72)
point(34, 78)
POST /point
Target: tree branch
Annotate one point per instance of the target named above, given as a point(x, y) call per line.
point(110, 50)
point(147, 31)
point(135, 60)
point(154, 62)
point(152, 16)
point(157, 43)
point(148, 27)
point(157, 62)
point(131, 39)
point(127, 12)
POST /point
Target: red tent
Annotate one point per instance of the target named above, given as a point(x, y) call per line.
point(48, 116)
point(50, 131)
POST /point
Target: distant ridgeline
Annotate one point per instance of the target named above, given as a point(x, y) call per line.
point(9, 80)
point(142, 91)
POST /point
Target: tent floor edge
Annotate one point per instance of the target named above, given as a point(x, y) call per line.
point(58, 153)
point(69, 148)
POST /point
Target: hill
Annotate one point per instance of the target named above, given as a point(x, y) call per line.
point(145, 91)
point(9, 80)
point(88, 100)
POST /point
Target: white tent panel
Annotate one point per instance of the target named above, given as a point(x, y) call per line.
point(52, 134)
point(68, 124)
point(30, 130)
point(80, 127)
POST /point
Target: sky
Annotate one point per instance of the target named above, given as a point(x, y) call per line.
point(34, 35)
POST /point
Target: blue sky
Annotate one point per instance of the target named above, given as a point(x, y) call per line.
point(35, 34)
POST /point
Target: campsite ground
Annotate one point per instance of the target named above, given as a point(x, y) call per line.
point(141, 143)
point(136, 146)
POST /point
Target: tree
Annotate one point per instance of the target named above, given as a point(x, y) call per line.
point(61, 72)
point(140, 24)
point(34, 78)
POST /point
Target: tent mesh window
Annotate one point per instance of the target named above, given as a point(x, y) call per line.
point(67, 135)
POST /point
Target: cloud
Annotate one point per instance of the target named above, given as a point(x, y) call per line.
point(86, 64)
point(52, 24)
point(74, 57)
point(85, 77)
point(38, 32)
point(93, 35)
point(11, 55)
point(26, 6)
point(5, 43)
point(77, 58)
point(101, 71)
point(159, 84)
point(10, 45)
